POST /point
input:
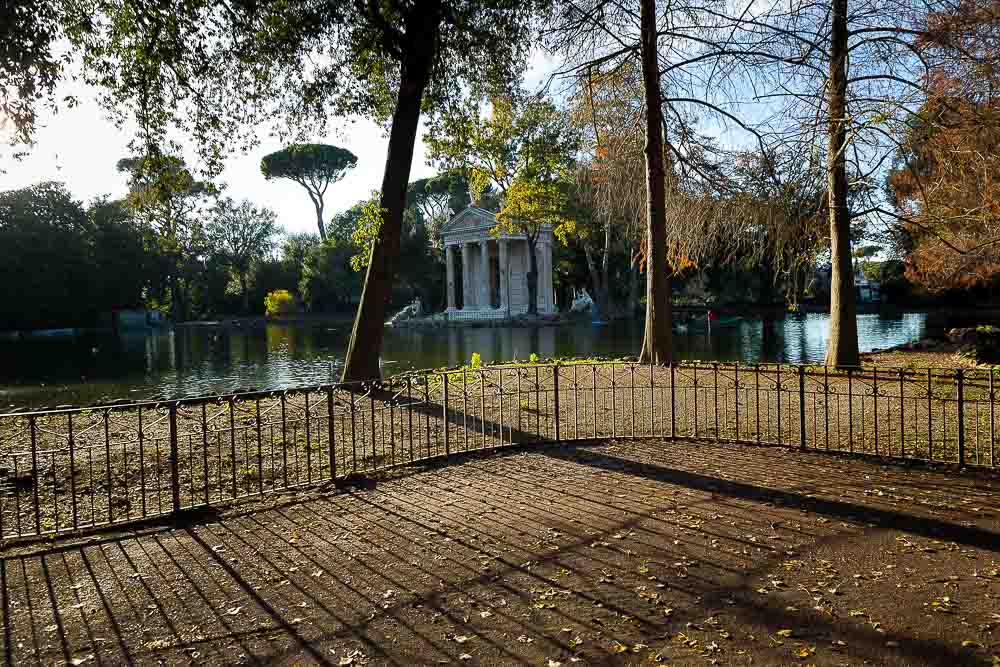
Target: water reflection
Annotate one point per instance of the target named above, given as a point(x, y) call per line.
point(190, 362)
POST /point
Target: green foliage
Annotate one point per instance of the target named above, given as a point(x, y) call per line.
point(279, 303)
point(218, 73)
point(476, 361)
point(240, 234)
point(366, 231)
point(328, 283)
point(307, 164)
point(64, 265)
point(533, 358)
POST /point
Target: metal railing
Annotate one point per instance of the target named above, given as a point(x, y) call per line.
point(71, 469)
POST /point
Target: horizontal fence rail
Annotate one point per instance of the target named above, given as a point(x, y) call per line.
point(71, 469)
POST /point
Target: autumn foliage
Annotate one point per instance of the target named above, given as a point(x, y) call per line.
point(946, 184)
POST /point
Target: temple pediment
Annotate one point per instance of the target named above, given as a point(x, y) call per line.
point(471, 219)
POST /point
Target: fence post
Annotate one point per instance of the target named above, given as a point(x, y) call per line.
point(444, 415)
point(802, 406)
point(175, 484)
point(330, 430)
point(961, 417)
point(555, 388)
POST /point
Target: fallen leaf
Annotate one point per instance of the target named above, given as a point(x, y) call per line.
point(784, 633)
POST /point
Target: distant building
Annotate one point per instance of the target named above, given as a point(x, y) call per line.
point(487, 276)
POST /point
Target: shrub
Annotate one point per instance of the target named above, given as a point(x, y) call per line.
point(477, 360)
point(533, 358)
point(278, 303)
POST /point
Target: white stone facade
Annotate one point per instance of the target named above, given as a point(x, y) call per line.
point(491, 272)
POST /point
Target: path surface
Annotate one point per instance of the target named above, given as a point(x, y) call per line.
point(611, 553)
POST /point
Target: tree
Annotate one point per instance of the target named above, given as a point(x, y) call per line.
point(438, 199)
point(30, 67)
point(525, 149)
point(215, 70)
point(313, 166)
point(165, 195)
point(44, 258)
point(122, 255)
point(944, 185)
point(242, 234)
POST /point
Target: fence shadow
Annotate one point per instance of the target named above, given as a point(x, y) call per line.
point(465, 560)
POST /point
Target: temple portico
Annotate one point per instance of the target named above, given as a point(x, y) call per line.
point(487, 276)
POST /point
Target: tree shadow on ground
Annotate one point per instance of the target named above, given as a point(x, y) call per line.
point(493, 559)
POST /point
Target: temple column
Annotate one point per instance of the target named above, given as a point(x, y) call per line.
point(549, 296)
point(484, 274)
point(449, 259)
point(504, 261)
point(467, 291)
point(540, 279)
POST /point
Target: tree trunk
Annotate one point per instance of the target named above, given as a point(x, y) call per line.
point(365, 348)
point(532, 277)
point(658, 338)
point(318, 204)
point(842, 349)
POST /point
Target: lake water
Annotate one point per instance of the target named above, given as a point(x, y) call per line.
point(192, 361)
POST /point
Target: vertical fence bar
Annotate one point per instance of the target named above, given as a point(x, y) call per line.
point(331, 434)
point(875, 405)
point(444, 414)
point(593, 372)
point(371, 406)
point(902, 423)
point(736, 396)
point(961, 417)
point(175, 484)
point(232, 439)
point(673, 401)
point(260, 447)
point(409, 412)
point(993, 439)
point(756, 377)
point(309, 470)
point(204, 446)
point(715, 369)
point(107, 466)
point(802, 407)
point(427, 411)
point(826, 406)
point(465, 406)
point(850, 409)
point(930, 413)
point(482, 404)
point(33, 427)
point(72, 469)
point(555, 388)
point(614, 416)
point(777, 386)
point(354, 434)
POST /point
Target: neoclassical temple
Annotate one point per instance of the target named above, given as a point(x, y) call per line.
point(488, 275)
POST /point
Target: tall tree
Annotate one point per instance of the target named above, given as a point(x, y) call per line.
point(525, 148)
point(945, 184)
point(657, 341)
point(242, 234)
point(165, 195)
point(313, 166)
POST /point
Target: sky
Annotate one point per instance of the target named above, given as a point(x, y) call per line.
point(80, 148)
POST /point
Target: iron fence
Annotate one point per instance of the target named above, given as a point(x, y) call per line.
point(71, 469)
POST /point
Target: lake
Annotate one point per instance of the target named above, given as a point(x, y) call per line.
point(191, 361)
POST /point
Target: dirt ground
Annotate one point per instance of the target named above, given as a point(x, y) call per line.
point(684, 553)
